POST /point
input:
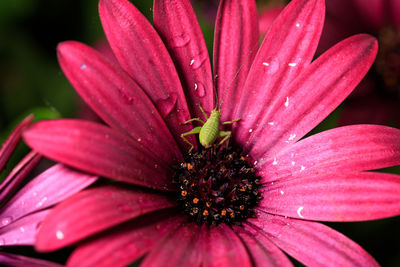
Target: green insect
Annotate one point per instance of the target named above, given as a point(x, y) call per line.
point(209, 131)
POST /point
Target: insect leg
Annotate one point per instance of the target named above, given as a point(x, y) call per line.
point(225, 134)
point(195, 130)
point(230, 122)
point(194, 119)
point(204, 113)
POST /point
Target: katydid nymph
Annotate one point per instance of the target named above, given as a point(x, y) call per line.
point(209, 131)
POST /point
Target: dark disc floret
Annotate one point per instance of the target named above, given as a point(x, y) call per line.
point(217, 185)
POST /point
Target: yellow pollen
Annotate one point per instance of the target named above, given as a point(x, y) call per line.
point(195, 200)
point(184, 193)
point(208, 204)
point(205, 213)
point(189, 166)
point(232, 215)
point(223, 212)
point(241, 207)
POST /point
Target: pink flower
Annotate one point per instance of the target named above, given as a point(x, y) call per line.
point(377, 98)
point(217, 207)
point(22, 210)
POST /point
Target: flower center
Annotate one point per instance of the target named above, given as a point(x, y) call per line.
point(217, 185)
point(387, 63)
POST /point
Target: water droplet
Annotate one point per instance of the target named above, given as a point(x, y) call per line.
point(299, 210)
point(22, 229)
point(282, 192)
point(271, 123)
point(271, 66)
point(251, 130)
point(293, 163)
point(82, 67)
point(41, 202)
point(139, 139)
point(292, 137)
point(287, 102)
point(180, 40)
point(165, 106)
point(126, 99)
point(297, 25)
point(6, 221)
point(199, 89)
point(198, 60)
point(125, 208)
point(302, 168)
point(274, 162)
point(292, 64)
point(59, 235)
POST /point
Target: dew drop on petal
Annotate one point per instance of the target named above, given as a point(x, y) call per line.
point(292, 64)
point(82, 67)
point(282, 192)
point(165, 106)
point(41, 202)
point(22, 229)
point(251, 130)
point(199, 89)
point(271, 123)
point(198, 60)
point(297, 25)
point(60, 235)
point(287, 102)
point(180, 40)
point(292, 137)
point(302, 168)
point(274, 162)
point(293, 163)
point(6, 221)
point(124, 208)
point(271, 66)
point(299, 210)
point(126, 99)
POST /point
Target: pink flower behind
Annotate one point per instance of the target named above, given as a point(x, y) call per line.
point(240, 206)
point(23, 209)
point(377, 98)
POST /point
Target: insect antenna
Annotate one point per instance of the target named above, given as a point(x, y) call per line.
point(235, 76)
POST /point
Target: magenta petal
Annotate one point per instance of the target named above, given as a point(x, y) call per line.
point(180, 248)
point(124, 244)
point(262, 251)
point(93, 210)
point(141, 52)
point(9, 145)
point(288, 48)
point(116, 98)
point(311, 243)
point(223, 247)
point(18, 175)
point(177, 24)
point(100, 150)
point(316, 92)
point(349, 148)
point(50, 187)
point(335, 197)
point(9, 259)
point(235, 46)
point(22, 231)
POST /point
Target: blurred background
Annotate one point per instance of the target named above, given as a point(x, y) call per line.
point(32, 82)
